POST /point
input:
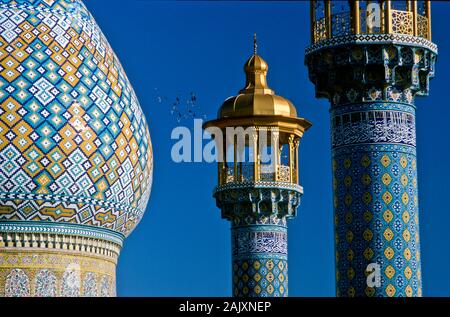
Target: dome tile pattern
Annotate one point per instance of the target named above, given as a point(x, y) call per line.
point(74, 143)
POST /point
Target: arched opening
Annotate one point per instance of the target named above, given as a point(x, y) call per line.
point(266, 155)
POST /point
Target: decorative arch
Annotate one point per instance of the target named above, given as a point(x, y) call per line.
point(17, 284)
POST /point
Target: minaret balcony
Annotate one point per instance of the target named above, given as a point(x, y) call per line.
point(267, 173)
point(331, 19)
point(274, 192)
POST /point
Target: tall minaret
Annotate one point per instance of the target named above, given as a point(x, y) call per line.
point(370, 59)
point(258, 193)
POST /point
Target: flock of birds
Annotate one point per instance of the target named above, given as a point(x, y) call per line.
point(183, 107)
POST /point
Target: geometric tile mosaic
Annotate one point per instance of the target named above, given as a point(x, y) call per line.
point(371, 81)
point(46, 274)
point(260, 278)
point(376, 200)
point(74, 142)
point(259, 256)
point(377, 220)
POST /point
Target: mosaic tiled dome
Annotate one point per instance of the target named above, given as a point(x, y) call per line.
point(74, 143)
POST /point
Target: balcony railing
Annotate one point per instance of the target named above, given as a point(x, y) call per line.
point(384, 21)
point(320, 30)
point(402, 22)
point(266, 173)
point(422, 26)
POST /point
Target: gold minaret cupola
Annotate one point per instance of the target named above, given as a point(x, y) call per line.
point(256, 98)
point(258, 184)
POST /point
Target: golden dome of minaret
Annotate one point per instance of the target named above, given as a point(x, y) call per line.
point(256, 99)
point(258, 105)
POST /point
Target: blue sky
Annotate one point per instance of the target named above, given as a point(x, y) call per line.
point(182, 246)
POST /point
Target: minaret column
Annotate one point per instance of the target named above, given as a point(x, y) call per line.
point(259, 255)
point(372, 80)
point(376, 200)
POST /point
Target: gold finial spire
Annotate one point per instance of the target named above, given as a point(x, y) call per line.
point(256, 73)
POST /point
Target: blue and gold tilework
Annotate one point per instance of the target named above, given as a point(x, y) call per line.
point(372, 81)
point(55, 274)
point(74, 142)
point(259, 252)
point(376, 200)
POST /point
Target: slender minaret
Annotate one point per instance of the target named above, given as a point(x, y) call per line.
point(370, 59)
point(258, 193)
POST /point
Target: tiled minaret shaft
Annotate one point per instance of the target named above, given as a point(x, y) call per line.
point(371, 69)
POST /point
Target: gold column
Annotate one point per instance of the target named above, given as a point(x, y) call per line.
point(312, 13)
point(356, 21)
point(255, 155)
point(388, 18)
point(241, 175)
point(225, 163)
point(275, 154)
point(414, 11)
point(328, 18)
point(222, 157)
point(280, 152)
point(408, 5)
point(382, 19)
point(428, 15)
point(296, 143)
point(291, 158)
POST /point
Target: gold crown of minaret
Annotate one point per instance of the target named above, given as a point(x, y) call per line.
point(257, 103)
point(257, 107)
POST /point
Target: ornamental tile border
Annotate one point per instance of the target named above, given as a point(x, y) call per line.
point(373, 39)
point(62, 228)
